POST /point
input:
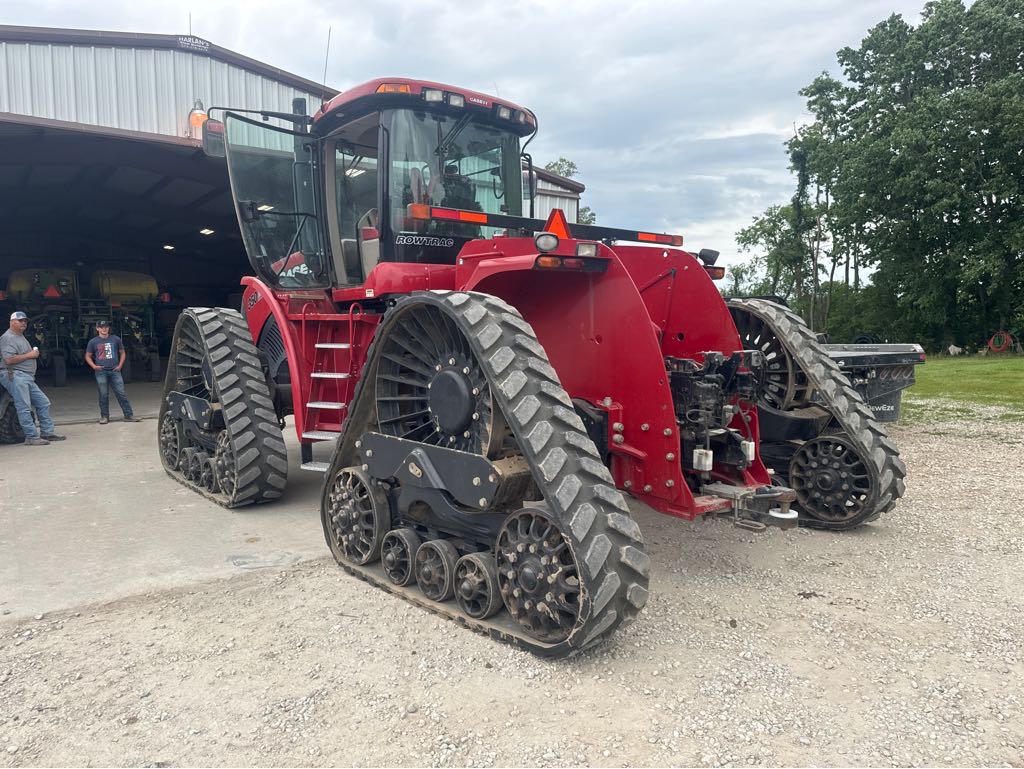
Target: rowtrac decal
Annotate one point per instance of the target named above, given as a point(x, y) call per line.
point(423, 240)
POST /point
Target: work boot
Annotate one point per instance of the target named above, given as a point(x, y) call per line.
point(103, 420)
point(132, 419)
point(53, 437)
point(36, 442)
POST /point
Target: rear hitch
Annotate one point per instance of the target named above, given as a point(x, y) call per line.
point(757, 508)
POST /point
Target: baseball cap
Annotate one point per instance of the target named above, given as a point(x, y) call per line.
point(19, 315)
point(102, 323)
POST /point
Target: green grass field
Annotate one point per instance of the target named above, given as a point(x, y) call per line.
point(990, 381)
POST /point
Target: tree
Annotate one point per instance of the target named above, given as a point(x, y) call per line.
point(913, 168)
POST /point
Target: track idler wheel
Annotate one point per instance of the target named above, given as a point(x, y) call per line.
point(435, 569)
point(538, 575)
point(476, 585)
point(398, 556)
point(831, 479)
point(170, 440)
point(359, 517)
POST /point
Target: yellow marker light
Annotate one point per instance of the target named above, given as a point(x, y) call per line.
point(548, 262)
point(394, 88)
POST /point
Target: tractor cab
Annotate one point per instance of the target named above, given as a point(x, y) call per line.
point(322, 201)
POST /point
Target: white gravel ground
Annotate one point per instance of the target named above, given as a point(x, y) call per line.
point(898, 644)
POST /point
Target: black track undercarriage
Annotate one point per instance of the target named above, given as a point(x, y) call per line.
point(465, 482)
point(817, 433)
point(218, 433)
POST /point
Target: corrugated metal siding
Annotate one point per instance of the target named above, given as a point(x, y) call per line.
point(135, 89)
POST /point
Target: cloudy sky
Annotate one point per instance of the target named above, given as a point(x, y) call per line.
point(675, 112)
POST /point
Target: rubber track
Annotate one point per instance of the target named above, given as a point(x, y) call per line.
point(10, 427)
point(261, 458)
point(579, 491)
point(845, 404)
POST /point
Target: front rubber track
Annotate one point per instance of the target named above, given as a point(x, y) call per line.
point(846, 406)
point(240, 388)
point(566, 466)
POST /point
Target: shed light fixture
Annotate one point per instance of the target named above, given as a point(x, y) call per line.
point(168, 247)
point(206, 231)
point(264, 207)
point(353, 172)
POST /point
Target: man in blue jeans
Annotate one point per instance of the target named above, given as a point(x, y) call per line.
point(105, 355)
point(18, 377)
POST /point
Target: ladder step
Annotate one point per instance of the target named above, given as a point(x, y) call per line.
point(325, 405)
point(330, 375)
point(321, 435)
point(333, 346)
point(315, 467)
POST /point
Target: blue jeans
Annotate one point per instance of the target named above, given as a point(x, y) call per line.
point(28, 397)
point(106, 380)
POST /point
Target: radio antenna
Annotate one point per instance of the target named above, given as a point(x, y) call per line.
point(327, 56)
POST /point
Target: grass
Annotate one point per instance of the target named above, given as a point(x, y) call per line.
point(943, 384)
point(995, 380)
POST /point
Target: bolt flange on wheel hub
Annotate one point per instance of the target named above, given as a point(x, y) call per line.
point(538, 575)
point(831, 479)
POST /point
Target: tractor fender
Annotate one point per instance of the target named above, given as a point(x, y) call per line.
point(604, 347)
point(259, 304)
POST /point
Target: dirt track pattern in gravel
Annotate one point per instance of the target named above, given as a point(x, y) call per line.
point(897, 644)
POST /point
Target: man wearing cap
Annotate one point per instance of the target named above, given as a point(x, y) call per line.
point(105, 355)
point(18, 376)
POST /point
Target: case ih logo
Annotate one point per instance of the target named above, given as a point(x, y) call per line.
point(253, 298)
point(477, 100)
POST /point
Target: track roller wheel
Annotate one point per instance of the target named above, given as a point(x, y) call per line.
point(208, 474)
point(398, 555)
point(358, 517)
point(538, 575)
point(185, 461)
point(476, 585)
point(832, 480)
point(195, 467)
point(435, 569)
point(213, 360)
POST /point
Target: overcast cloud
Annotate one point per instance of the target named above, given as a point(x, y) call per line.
point(675, 112)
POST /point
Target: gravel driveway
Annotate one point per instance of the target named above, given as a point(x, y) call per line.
point(897, 644)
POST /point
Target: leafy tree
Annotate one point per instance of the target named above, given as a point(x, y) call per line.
point(913, 169)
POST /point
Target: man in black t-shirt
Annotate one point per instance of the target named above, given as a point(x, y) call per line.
point(105, 355)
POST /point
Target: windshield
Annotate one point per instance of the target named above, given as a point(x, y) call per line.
point(272, 179)
point(451, 162)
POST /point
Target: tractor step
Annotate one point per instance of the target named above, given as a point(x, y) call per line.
point(333, 346)
point(321, 435)
point(315, 467)
point(325, 405)
point(329, 375)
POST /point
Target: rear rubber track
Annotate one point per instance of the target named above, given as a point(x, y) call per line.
point(577, 487)
point(846, 406)
point(240, 389)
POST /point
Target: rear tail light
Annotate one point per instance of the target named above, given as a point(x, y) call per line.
point(716, 273)
point(570, 263)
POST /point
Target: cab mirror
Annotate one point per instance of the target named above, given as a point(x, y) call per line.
point(213, 138)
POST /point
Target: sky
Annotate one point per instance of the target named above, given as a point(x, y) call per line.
point(676, 113)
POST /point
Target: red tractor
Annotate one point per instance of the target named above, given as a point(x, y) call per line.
point(488, 381)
